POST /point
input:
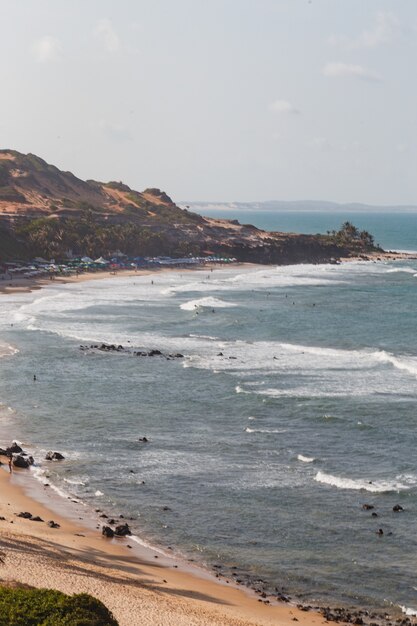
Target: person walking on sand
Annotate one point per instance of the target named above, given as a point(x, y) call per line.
point(11, 463)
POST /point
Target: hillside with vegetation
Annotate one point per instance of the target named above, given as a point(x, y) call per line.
point(51, 213)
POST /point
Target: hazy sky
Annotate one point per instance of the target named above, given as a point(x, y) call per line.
point(218, 99)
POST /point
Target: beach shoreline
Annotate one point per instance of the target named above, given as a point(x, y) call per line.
point(91, 559)
point(27, 284)
point(76, 558)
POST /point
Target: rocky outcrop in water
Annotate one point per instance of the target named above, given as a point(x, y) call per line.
point(122, 530)
point(54, 456)
point(106, 347)
point(23, 461)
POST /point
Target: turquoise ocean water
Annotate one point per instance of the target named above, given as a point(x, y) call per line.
point(294, 405)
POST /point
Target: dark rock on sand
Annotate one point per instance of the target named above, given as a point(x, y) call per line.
point(25, 515)
point(107, 531)
point(54, 456)
point(53, 524)
point(36, 519)
point(122, 530)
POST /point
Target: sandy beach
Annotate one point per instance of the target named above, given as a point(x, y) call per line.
point(21, 284)
point(75, 558)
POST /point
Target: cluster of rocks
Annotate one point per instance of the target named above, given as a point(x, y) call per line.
point(36, 518)
point(397, 508)
point(22, 459)
point(19, 457)
point(105, 347)
point(268, 595)
point(359, 617)
point(121, 530)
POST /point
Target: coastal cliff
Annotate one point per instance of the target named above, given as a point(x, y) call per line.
point(48, 212)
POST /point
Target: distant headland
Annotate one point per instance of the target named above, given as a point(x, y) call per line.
point(50, 213)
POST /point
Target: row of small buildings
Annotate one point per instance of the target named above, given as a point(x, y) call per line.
point(39, 266)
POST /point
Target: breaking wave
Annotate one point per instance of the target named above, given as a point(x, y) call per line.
point(398, 270)
point(208, 302)
point(409, 611)
point(305, 459)
point(265, 430)
point(7, 350)
point(378, 486)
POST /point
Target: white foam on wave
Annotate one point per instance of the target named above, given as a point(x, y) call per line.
point(409, 611)
point(266, 278)
point(98, 493)
point(305, 459)
point(299, 392)
point(207, 302)
point(7, 350)
point(407, 364)
point(378, 486)
point(40, 474)
point(296, 370)
point(400, 270)
point(74, 481)
point(239, 389)
point(265, 430)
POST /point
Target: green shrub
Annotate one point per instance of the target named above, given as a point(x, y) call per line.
point(46, 607)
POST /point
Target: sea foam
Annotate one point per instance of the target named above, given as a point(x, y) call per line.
point(208, 302)
point(409, 611)
point(265, 430)
point(305, 459)
point(377, 486)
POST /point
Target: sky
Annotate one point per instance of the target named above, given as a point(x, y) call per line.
point(217, 100)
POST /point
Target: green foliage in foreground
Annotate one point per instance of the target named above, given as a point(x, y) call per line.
point(46, 607)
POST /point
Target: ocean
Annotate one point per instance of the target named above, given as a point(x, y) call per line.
point(293, 406)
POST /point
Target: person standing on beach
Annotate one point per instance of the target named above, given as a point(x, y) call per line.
point(11, 463)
